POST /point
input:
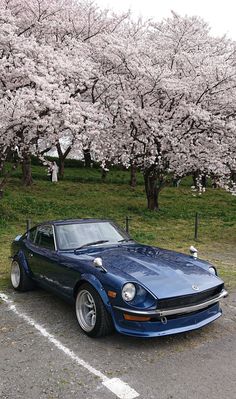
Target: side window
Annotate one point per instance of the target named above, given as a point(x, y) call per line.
point(44, 237)
point(32, 234)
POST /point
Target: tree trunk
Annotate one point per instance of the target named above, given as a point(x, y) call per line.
point(133, 176)
point(199, 179)
point(27, 178)
point(233, 177)
point(87, 158)
point(5, 177)
point(214, 183)
point(61, 167)
point(152, 191)
point(61, 158)
point(2, 168)
point(195, 179)
point(204, 181)
point(104, 174)
point(10, 156)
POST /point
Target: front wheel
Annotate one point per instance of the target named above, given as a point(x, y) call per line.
point(92, 316)
point(19, 279)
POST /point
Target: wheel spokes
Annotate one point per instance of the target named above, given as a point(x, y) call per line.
point(90, 306)
point(86, 310)
point(93, 320)
point(90, 299)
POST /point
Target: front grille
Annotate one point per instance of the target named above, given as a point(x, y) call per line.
point(189, 300)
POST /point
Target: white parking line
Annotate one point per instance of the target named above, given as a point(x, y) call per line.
point(120, 388)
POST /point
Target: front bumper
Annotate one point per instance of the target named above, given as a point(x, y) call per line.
point(169, 321)
point(175, 311)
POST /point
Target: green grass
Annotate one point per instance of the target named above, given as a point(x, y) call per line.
point(83, 175)
point(82, 194)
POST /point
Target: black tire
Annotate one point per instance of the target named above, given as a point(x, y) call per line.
point(19, 279)
point(103, 324)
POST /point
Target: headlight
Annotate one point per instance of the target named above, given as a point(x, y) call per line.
point(128, 292)
point(212, 270)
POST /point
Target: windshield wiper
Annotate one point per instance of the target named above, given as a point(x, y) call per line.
point(91, 243)
point(125, 240)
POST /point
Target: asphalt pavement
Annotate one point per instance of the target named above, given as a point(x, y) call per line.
point(44, 355)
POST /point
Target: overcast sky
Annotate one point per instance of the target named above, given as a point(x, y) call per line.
point(220, 14)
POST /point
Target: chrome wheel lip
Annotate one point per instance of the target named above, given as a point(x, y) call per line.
point(15, 274)
point(86, 311)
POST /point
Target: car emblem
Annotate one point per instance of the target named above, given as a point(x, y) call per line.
point(195, 287)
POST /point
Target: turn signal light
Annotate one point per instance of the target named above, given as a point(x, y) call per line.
point(136, 318)
point(112, 294)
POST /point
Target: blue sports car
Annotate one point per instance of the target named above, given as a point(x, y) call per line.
point(115, 282)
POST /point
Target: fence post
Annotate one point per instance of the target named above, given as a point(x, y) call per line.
point(28, 224)
point(196, 226)
point(127, 219)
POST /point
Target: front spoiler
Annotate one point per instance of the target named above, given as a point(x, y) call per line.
point(175, 311)
point(157, 329)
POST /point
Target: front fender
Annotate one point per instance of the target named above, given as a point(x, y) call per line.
point(20, 257)
point(96, 283)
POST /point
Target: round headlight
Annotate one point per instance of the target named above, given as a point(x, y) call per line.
point(128, 292)
point(212, 270)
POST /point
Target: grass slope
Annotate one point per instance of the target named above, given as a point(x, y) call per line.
point(82, 194)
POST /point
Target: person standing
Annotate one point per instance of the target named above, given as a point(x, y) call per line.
point(54, 170)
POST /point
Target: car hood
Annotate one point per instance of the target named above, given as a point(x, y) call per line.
point(165, 273)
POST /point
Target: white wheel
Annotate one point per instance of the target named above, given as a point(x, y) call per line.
point(15, 274)
point(92, 316)
point(19, 278)
point(86, 310)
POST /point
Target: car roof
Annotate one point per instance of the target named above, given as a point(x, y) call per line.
point(85, 220)
point(73, 221)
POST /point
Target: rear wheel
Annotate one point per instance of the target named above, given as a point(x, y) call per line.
point(92, 316)
point(19, 279)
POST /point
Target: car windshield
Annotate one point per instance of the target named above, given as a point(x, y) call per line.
point(75, 235)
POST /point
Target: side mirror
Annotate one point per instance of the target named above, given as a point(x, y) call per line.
point(17, 238)
point(193, 252)
point(98, 263)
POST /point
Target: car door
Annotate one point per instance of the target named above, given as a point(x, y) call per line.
point(42, 255)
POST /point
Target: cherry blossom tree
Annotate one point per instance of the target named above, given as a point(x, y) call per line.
point(36, 102)
point(66, 29)
point(203, 131)
point(159, 97)
point(170, 103)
